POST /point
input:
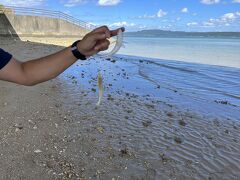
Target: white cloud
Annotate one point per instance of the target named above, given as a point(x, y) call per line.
point(108, 2)
point(228, 19)
point(210, 1)
point(207, 24)
point(236, 1)
point(23, 3)
point(192, 24)
point(184, 10)
point(166, 27)
point(121, 24)
point(159, 14)
point(143, 27)
point(72, 3)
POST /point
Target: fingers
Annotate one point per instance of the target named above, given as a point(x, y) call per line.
point(115, 32)
point(102, 45)
point(103, 29)
point(108, 33)
point(98, 36)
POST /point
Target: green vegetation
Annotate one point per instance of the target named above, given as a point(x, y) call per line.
point(1, 7)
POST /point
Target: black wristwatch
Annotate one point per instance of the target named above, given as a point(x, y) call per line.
point(76, 52)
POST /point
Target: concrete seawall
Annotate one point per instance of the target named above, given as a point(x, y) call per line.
point(6, 28)
point(22, 26)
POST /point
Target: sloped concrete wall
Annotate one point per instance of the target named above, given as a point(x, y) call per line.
point(6, 28)
point(38, 26)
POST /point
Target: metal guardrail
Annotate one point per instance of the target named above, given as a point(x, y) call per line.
point(46, 13)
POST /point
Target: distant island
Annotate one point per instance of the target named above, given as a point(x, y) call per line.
point(162, 33)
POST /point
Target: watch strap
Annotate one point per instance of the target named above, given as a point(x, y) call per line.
point(76, 52)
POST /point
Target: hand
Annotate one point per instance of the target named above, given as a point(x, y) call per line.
point(96, 41)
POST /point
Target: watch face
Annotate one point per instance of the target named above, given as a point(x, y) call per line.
point(74, 48)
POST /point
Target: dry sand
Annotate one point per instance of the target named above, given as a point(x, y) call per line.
point(60, 41)
point(54, 130)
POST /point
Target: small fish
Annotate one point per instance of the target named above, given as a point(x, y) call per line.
point(118, 45)
point(100, 86)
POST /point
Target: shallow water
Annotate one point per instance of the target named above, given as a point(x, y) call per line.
point(177, 131)
point(215, 51)
point(209, 83)
point(184, 84)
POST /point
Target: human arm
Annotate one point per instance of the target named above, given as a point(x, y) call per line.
point(43, 69)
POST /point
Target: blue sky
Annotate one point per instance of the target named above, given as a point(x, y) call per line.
point(187, 15)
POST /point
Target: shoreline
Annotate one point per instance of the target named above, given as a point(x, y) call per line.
point(143, 58)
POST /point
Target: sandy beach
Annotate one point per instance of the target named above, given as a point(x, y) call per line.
point(143, 129)
point(60, 41)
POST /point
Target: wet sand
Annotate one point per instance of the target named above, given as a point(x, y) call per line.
point(55, 131)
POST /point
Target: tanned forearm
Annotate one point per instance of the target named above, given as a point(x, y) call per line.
point(43, 69)
point(46, 68)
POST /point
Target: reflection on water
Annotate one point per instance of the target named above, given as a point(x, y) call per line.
point(184, 82)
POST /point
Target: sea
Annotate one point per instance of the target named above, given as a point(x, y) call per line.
point(214, 51)
point(205, 69)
